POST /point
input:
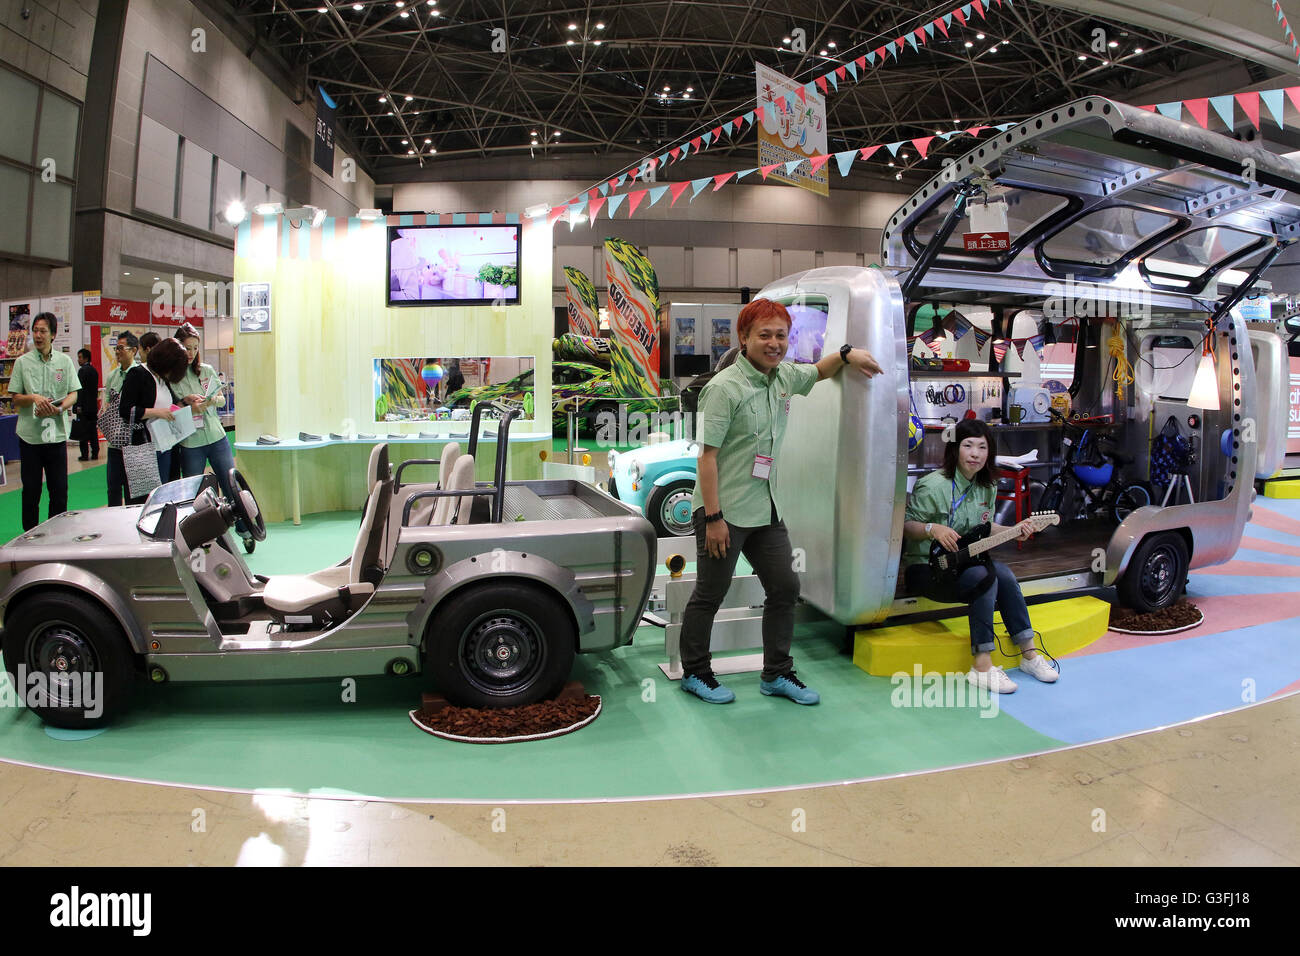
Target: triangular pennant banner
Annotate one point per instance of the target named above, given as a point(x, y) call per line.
point(966, 9)
point(678, 189)
point(764, 170)
point(840, 71)
point(634, 200)
point(845, 160)
point(675, 153)
point(800, 92)
point(698, 184)
point(621, 180)
point(592, 194)
point(834, 82)
point(1293, 94)
point(866, 152)
point(1250, 104)
point(663, 158)
point(929, 30)
point(749, 118)
point(880, 52)
point(821, 83)
point(852, 67)
point(604, 189)
point(738, 122)
point(595, 209)
point(706, 139)
point(721, 180)
point(922, 144)
point(555, 213)
point(579, 207)
point(961, 15)
point(979, 7)
point(1172, 110)
point(614, 203)
point(919, 33)
point(686, 150)
point(911, 41)
point(1273, 99)
point(745, 172)
point(791, 166)
point(657, 194)
point(976, 130)
point(1149, 109)
point(1200, 110)
point(943, 26)
point(893, 147)
point(815, 163)
point(947, 20)
point(695, 144)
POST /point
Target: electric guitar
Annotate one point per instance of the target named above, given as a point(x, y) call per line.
point(946, 566)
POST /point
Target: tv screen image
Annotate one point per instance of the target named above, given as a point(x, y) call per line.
point(453, 265)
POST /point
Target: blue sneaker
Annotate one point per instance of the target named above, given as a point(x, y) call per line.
point(706, 687)
point(787, 685)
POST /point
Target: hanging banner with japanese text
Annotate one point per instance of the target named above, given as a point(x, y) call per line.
point(791, 126)
point(323, 141)
point(584, 307)
point(633, 318)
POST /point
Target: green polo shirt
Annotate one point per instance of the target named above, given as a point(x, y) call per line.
point(211, 429)
point(743, 413)
point(53, 378)
point(932, 499)
point(114, 381)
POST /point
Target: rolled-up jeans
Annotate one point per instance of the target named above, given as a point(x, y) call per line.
point(1002, 593)
point(218, 454)
point(767, 549)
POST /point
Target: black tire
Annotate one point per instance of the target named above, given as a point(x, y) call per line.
point(665, 509)
point(523, 626)
point(1156, 574)
point(612, 487)
point(1131, 497)
point(60, 634)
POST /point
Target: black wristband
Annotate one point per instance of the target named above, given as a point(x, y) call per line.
point(845, 349)
point(716, 516)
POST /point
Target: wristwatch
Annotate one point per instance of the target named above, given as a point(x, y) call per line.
point(928, 526)
point(845, 349)
point(716, 516)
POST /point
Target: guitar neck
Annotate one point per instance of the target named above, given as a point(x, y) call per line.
point(984, 544)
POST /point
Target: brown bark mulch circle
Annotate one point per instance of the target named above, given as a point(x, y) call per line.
point(1182, 616)
point(547, 718)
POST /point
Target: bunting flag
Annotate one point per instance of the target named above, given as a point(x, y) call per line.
point(657, 194)
point(1000, 349)
point(634, 200)
point(698, 184)
point(614, 203)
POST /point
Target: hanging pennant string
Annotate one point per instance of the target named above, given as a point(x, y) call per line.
point(1286, 28)
point(852, 70)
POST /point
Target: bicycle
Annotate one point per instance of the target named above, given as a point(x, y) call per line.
point(1100, 490)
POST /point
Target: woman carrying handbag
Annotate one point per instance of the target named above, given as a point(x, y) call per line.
point(147, 395)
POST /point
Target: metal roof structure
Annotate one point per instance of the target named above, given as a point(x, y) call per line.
point(420, 82)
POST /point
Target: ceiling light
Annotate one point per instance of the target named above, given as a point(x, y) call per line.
point(821, 52)
point(785, 39)
point(155, 278)
point(405, 143)
point(690, 89)
point(356, 6)
point(969, 44)
point(320, 9)
point(400, 4)
point(667, 89)
point(235, 213)
point(1083, 56)
point(891, 162)
point(538, 211)
point(369, 214)
point(600, 26)
point(1205, 386)
point(557, 132)
point(126, 273)
point(979, 36)
point(597, 42)
point(573, 26)
point(268, 208)
point(1112, 44)
point(907, 155)
point(410, 152)
point(433, 3)
point(432, 150)
point(1105, 62)
point(831, 45)
point(409, 98)
point(318, 217)
point(404, 14)
point(993, 49)
point(390, 112)
point(1138, 50)
point(568, 43)
point(383, 99)
point(898, 175)
point(427, 142)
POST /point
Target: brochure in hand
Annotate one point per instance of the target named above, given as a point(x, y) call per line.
point(167, 434)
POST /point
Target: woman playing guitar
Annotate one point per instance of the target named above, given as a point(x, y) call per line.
point(943, 506)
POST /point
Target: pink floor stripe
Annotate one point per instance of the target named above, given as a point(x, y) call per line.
point(1252, 569)
point(1259, 544)
point(1289, 688)
point(1222, 613)
point(1274, 520)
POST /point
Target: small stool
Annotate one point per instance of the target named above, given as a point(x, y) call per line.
point(1018, 493)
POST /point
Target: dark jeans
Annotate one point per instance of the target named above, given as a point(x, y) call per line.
point(90, 447)
point(767, 549)
point(117, 490)
point(50, 460)
point(1003, 593)
point(193, 461)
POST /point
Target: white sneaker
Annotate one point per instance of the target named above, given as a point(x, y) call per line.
point(993, 680)
point(1039, 668)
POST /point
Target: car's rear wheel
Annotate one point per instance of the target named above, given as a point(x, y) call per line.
point(1156, 573)
point(68, 660)
point(669, 509)
point(500, 645)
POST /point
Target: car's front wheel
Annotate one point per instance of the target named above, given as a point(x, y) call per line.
point(669, 509)
point(1156, 573)
point(500, 645)
point(68, 660)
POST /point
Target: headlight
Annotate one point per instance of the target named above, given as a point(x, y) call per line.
point(613, 457)
point(636, 471)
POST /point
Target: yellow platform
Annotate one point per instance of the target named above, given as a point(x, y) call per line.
point(1282, 489)
point(944, 646)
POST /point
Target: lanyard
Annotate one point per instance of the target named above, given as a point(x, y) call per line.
point(955, 501)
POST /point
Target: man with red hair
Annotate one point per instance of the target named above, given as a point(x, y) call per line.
point(741, 422)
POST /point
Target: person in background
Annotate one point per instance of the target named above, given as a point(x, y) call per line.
point(125, 353)
point(44, 386)
point(944, 505)
point(146, 393)
point(147, 341)
point(200, 390)
point(85, 429)
point(741, 423)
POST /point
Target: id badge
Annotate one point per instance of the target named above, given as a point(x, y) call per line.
point(762, 466)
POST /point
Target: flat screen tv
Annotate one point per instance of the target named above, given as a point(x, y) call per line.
point(453, 265)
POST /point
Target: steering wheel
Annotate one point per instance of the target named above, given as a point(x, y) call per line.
point(246, 508)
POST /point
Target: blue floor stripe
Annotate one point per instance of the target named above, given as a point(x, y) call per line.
point(1266, 557)
point(1103, 695)
point(1208, 584)
point(1268, 534)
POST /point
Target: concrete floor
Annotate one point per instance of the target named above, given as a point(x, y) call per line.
point(1217, 792)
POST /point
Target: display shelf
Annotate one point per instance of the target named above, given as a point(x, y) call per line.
point(927, 373)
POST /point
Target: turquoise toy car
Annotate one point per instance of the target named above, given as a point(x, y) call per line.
point(658, 479)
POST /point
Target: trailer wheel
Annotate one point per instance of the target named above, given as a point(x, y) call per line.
point(500, 645)
point(68, 660)
point(669, 509)
point(1156, 574)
